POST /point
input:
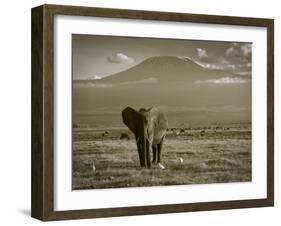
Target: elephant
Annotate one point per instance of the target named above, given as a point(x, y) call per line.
point(149, 127)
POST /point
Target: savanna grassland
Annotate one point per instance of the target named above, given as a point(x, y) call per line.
point(199, 155)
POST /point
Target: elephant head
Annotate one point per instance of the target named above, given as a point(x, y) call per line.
point(149, 127)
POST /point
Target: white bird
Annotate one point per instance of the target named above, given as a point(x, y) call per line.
point(94, 167)
point(161, 166)
point(181, 160)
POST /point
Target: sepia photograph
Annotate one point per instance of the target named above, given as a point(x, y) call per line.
point(158, 112)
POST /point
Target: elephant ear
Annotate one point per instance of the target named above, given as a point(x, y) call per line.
point(130, 118)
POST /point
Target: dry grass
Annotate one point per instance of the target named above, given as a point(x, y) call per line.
point(217, 156)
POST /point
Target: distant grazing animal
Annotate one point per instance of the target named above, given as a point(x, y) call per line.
point(105, 133)
point(202, 132)
point(175, 131)
point(149, 127)
point(182, 131)
point(124, 136)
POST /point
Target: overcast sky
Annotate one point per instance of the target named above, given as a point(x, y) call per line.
point(100, 56)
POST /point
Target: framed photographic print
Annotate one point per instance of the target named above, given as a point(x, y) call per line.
point(141, 112)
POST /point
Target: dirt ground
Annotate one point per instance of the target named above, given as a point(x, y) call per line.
point(199, 155)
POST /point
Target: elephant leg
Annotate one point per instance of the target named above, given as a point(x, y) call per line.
point(147, 154)
point(154, 149)
point(144, 154)
point(159, 147)
point(141, 157)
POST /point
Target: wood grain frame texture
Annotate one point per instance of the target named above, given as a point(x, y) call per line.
point(42, 184)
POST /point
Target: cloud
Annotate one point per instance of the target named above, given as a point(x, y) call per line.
point(202, 53)
point(210, 61)
point(97, 77)
point(120, 58)
point(239, 53)
point(150, 80)
point(211, 66)
point(185, 58)
point(246, 49)
point(244, 73)
point(232, 52)
point(239, 66)
point(225, 80)
point(91, 84)
point(244, 69)
point(236, 59)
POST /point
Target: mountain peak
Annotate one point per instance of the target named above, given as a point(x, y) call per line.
point(166, 69)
